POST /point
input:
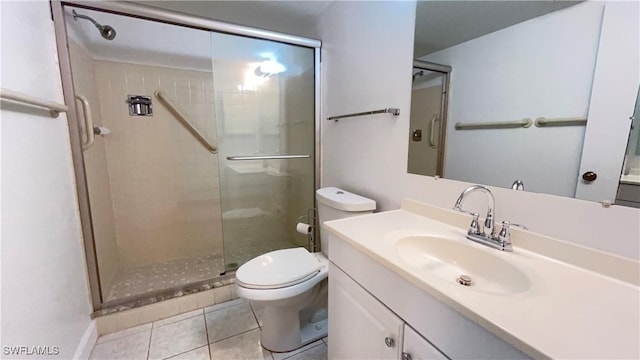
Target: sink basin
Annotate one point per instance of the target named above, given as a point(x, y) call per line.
point(448, 260)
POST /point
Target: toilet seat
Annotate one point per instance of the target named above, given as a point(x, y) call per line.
point(278, 269)
point(283, 290)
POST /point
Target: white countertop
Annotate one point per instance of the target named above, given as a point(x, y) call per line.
point(630, 179)
point(568, 312)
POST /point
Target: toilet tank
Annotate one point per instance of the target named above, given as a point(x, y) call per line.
point(334, 203)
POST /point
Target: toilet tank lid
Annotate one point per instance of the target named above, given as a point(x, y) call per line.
point(344, 200)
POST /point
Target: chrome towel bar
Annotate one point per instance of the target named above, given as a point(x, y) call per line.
point(184, 121)
point(268, 157)
point(392, 111)
point(525, 123)
point(54, 107)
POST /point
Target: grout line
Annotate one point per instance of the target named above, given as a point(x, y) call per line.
point(121, 337)
point(184, 352)
point(255, 316)
point(149, 344)
point(240, 333)
point(175, 321)
point(206, 331)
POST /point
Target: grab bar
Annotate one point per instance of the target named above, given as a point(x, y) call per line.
point(433, 126)
point(525, 123)
point(393, 111)
point(185, 122)
point(88, 122)
point(268, 157)
point(571, 121)
point(54, 108)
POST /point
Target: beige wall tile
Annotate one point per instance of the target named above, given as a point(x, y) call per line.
point(164, 183)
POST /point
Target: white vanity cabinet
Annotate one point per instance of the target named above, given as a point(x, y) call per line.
point(369, 303)
point(361, 327)
point(415, 347)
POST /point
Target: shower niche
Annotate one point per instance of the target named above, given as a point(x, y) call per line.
point(199, 181)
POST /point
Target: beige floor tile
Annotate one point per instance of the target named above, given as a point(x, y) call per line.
point(176, 318)
point(224, 305)
point(230, 321)
point(240, 347)
point(177, 337)
point(123, 333)
point(258, 310)
point(286, 355)
point(315, 353)
point(131, 347)
point(201, 353)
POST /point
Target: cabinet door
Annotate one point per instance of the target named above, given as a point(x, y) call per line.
point(415, 347)
point(360, 326)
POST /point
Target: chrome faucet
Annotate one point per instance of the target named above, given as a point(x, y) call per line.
point(488, 235)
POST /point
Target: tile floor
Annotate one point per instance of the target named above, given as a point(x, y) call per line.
point(227, 331)
point(150, 278)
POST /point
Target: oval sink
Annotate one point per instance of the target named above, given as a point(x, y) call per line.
point(448, 260)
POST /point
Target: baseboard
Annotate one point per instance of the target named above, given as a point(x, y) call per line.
point(83, 351)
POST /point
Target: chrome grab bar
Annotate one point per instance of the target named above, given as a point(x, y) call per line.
point(185, 122)
point(268, 157)
point(525, 123)
point(88, 122)
point(571, 121)
point(393, 111)
point(431, 137)
point(54, 107)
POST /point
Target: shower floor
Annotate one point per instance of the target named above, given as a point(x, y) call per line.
point(145, 279)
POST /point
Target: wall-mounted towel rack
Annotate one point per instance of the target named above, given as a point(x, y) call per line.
point(392, 111)
point(570, 121)
point(184, 121)
point(54, 108)
point(268, 157)
point(525, 123)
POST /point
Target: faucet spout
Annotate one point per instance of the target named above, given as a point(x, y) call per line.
point(489, 222)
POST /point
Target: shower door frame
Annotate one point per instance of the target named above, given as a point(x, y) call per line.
point(169, 17)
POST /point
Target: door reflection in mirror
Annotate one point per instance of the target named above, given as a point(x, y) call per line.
point(429, 90)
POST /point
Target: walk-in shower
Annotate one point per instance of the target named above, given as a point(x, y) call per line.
point(198, 147)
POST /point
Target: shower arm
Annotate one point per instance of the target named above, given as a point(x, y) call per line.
point(95, 23)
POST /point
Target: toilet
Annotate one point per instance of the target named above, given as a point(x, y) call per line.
point(291, 283)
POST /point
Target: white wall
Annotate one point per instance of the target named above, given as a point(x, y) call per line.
point(44, 290)
point(367, 65)
point(367, 50)
point(539, 68)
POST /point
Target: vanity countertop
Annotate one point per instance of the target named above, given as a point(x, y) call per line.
point(633, 179)
point(580, 304)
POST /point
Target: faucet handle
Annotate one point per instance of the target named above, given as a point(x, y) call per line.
point(505, 235)
point(474, 228)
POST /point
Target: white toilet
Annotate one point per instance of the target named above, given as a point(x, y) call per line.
point(291, 283)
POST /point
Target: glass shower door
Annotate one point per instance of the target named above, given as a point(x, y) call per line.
point(264, 99)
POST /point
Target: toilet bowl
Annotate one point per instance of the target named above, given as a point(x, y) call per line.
point(291, 284)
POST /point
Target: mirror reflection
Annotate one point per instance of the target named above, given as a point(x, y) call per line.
point(523, 94)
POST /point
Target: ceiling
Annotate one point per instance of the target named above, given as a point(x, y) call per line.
point(290, 17)
point(439, 25)
point(160, 44)
point(442, 24)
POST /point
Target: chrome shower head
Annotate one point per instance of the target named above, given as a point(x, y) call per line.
point(106, 31)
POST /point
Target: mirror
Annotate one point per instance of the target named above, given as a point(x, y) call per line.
point(521, 88)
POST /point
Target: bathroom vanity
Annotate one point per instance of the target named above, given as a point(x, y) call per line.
point(395, 293)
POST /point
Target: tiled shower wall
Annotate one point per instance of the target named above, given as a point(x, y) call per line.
point(164, 183)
